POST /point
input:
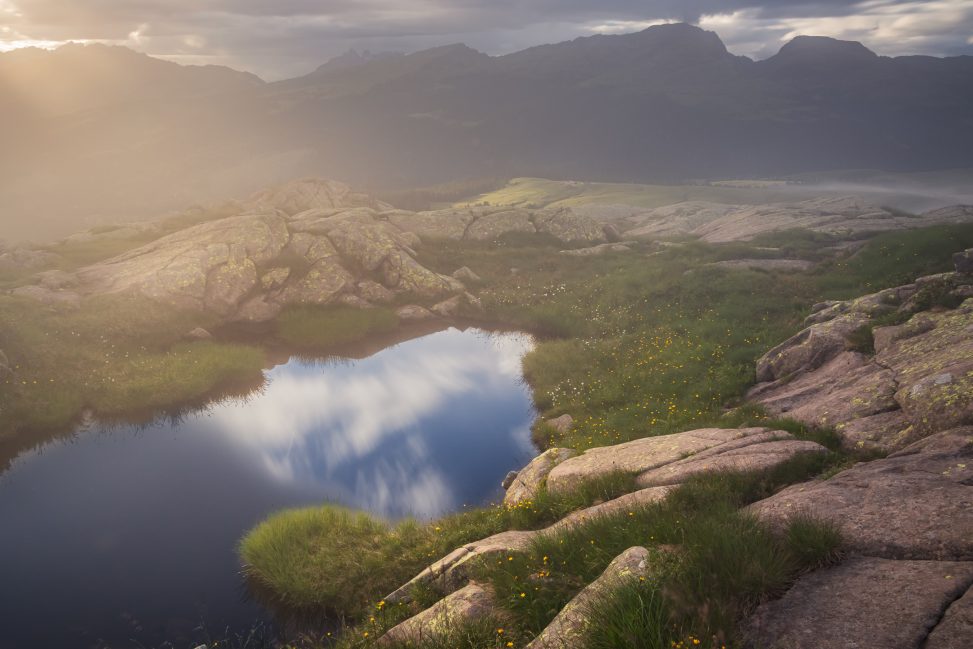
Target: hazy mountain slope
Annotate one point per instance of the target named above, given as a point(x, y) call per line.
point(666, 104)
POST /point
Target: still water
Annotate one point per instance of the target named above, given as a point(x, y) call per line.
point(125, 535)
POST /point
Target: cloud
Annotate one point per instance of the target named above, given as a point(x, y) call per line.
point(362, 429)
point(287, 37)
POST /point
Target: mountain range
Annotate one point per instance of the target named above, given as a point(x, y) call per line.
point(96, 133)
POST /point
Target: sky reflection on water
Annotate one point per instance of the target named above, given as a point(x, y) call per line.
point(130, 532)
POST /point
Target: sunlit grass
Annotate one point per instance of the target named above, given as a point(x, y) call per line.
point(115, 356)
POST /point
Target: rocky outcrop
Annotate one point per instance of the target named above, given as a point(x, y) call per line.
point(915, 504)
point(413, 312)
point(466, 275)
point(660, 463)
point(918, 380)
point(528, 482)
point(491, 223)
point(867, 602)
point(847, 216)
point(23, 258)
point(462, 607)
point(671, 459)
point(842, 216)
point(599, 250)
point(675, 220)
point(562, 425)
point(307, 242)
point(574, 624)
point(452, 571)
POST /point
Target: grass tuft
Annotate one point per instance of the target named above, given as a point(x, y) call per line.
point(320, 328)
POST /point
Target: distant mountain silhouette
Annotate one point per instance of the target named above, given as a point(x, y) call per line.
point(128, 134)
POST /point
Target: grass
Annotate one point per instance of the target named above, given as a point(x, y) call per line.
point(311, 328)
point(540, 192)
point(330, 559)
point(646, 343)
point(711, 564)
point(129, 364)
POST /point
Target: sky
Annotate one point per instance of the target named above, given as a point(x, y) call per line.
point(285, 38)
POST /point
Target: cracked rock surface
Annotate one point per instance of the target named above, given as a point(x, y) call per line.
point(307, 242)
point(865, 603)
point(919, 379)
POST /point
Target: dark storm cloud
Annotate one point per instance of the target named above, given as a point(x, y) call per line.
point(281, 37)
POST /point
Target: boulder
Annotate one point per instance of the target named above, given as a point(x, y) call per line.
point(566, 225)
point(574, 624)
point(561, 424)
point(467, 605)
point(451, 572)
point(404, 274)
point(528, 483)
point(258, 309)
point(449, 308)
point(915, 504)
point(440, 224)
point(322, 284)
point(847, 388)
point(374, 292)
point(199, 334)
point(810, 348)
point(275, 278)
point(669, 459)
point(466, 275)
point(611, 232)
point(865, 602)
point(508, 479)
point(919, 381)
point(208, 267)
point(491, 227)
point(413, 312)
point(963, 261)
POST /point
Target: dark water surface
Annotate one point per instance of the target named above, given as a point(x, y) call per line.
point(126, 535)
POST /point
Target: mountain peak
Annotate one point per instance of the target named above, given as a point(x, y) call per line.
point(824, 48)
point(683, 38)
point(353, 58)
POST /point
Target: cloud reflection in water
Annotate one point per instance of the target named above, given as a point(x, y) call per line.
point(396, 433)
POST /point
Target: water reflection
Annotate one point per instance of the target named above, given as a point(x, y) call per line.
point(129, 532)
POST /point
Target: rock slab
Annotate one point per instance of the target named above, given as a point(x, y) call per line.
point(864, 603)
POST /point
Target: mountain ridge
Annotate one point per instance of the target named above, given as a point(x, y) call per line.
point(662, 105)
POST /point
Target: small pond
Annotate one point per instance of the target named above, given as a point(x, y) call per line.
point(126, 535)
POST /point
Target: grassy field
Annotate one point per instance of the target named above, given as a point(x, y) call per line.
point(540, 192)
point(632, 345)
point(726, 563)
point(313, 328)
point(909, 191)
point(117, 356)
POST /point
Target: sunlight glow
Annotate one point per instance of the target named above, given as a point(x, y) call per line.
point(9, 46)
point(625, 26)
